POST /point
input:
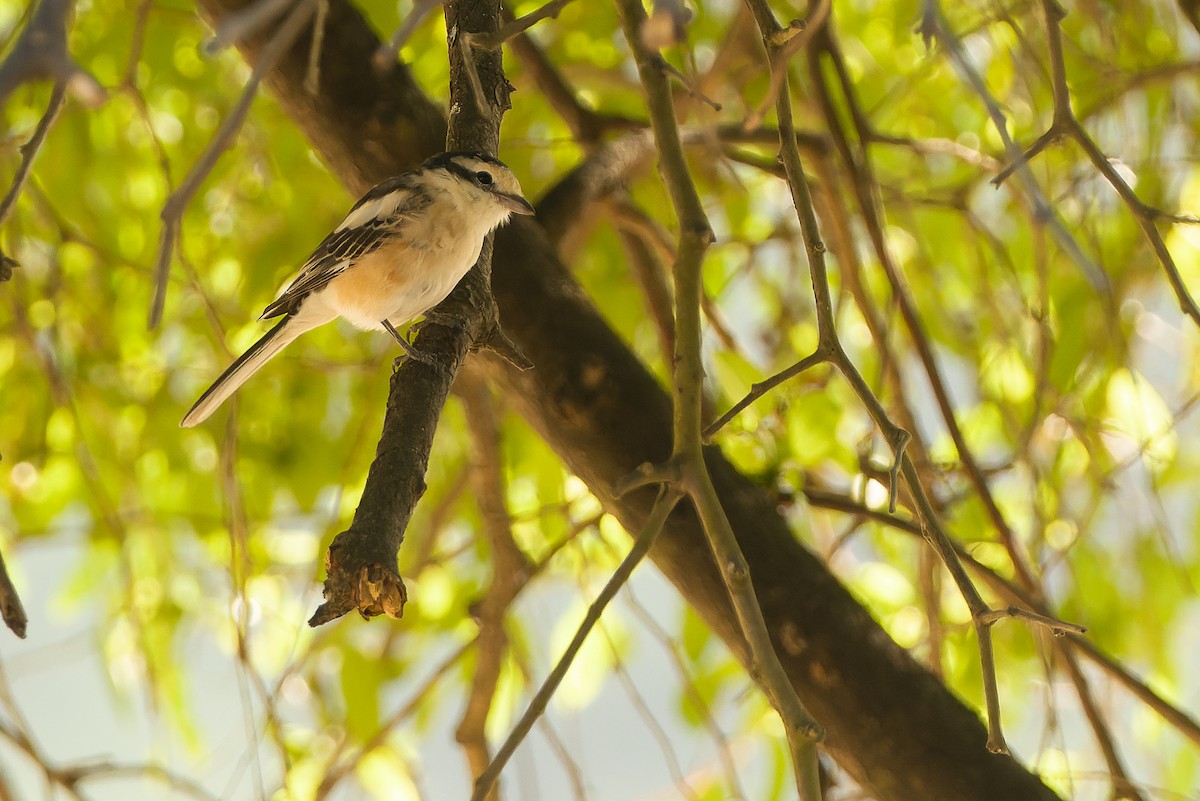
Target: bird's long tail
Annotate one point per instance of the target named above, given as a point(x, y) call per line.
point(246, 365)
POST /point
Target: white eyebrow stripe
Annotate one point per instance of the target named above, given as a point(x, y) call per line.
point(379, 208)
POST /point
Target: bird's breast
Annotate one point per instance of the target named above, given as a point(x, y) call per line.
point(405, 277)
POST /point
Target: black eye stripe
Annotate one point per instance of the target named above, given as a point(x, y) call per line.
point(466, 174)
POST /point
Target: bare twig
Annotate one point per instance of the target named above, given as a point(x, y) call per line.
point(1064, 118)
point(688, 85)
point(933, 26)
point(340, 767)
point(641, 546)
point(1058, 627)
point(1068, 645)
point(785, 43)
point(386, 53)
point(30, 149)
point(172, 212)
point(493, 40)
point(761, 388)
point(829, 346)
point(312, 81)
point(1066, 124)
point(1123, 788)
point(866, 191)
point(670, 644)
point(241, 25)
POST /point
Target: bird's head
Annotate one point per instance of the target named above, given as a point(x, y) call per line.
point(483, 177)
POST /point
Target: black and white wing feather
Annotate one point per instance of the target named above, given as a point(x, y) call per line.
point(377, 217)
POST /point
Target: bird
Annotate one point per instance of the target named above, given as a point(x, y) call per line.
point(398, 253)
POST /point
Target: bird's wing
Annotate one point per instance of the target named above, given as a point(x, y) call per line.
point(375, 218)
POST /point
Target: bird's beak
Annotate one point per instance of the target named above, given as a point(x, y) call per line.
point(515, 203)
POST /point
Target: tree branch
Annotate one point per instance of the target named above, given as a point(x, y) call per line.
point(510, 570)
point(361, 563)
point(695, 235)
point(177, 203)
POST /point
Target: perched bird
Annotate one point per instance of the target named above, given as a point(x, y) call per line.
point(406, 243)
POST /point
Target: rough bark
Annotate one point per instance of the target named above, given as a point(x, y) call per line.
point(892, 724)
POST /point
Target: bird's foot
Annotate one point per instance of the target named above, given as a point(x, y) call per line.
point(411, 351)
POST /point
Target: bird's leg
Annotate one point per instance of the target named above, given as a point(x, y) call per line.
point(391, 329)
point(412, 351)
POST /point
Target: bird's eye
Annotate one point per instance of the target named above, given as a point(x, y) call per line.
point(484, 178)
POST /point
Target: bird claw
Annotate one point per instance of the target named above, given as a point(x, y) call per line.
point(410, 351)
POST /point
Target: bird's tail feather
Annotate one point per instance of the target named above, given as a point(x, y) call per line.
point(246, 365)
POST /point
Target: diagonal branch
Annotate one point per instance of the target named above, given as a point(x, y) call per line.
point(29, 152)
point(177, 203)
point(491, 41)
point(541, 699)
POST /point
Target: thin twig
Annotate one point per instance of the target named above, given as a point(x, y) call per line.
point(785, 43)
point(473, 81)
point(240, 25)
point(648, 475)
point(385, 55)
point(829, 345)
point(172, 212)
point(1014, 594)
point(641, 546)
point(337, 770)
point(29, 151)
point(865, 188)
point(933, 25)
point(1058, 627)
point(520, 25)
point(510, 569)
point(669, 642)
point(760, 388)
point(1066, 123)
point(1050, 137)
point(692, 90)
point(312, 80)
